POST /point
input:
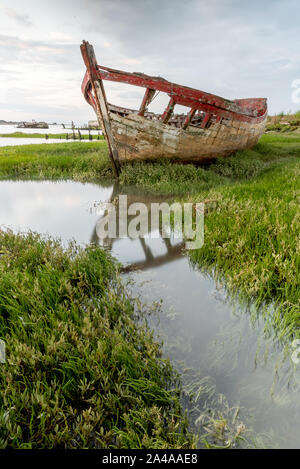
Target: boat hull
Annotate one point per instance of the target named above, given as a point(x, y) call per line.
point(138, 138)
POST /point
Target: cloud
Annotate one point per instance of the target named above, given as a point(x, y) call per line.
point(14, 50)
point(227, 47)
point(21, 18)
point(41, 80)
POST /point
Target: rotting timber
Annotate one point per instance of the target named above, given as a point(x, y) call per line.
point(213, 127)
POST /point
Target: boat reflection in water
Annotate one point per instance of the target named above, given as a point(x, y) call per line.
point(150, 250)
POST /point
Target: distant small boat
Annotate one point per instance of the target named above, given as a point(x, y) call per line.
point(212, 128)
point(33, 125)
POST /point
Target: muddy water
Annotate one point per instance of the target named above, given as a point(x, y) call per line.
point(224, 351)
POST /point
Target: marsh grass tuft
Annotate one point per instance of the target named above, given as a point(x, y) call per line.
point(82, 368)
point(80, 162)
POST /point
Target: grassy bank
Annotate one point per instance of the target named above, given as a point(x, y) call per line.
point(82, 369)
point(87, 162)
point(54, 136)
point(284, 123)
point(252, 223)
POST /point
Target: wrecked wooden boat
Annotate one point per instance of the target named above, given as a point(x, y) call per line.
point(213, 127)
point(33, 125)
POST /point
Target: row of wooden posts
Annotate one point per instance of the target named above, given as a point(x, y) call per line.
point(73, 136)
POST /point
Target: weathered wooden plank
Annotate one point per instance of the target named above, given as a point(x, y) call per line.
point(205, 120)
point(144, 139)
point(148, 96)
point(186, 101)
point(160, 84)
point(100, 102)
point(168, 111)
point(188, 118)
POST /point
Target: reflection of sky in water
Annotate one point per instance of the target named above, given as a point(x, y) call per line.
point(60, 209)
point(201, 331)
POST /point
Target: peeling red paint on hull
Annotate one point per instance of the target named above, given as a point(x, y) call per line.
point(213, 127)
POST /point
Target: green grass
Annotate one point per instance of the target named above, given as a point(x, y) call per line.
point(86, 162)
point(278, 127)
point(56, 136)
point(82, 368)
point(252, 238)
point(284, 122)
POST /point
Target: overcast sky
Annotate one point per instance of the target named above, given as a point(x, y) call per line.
point(233, 48)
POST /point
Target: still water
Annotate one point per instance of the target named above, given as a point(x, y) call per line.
point(222, 349)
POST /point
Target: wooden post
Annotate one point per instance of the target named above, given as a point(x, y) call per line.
point(73, 130)
point(90, 61)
